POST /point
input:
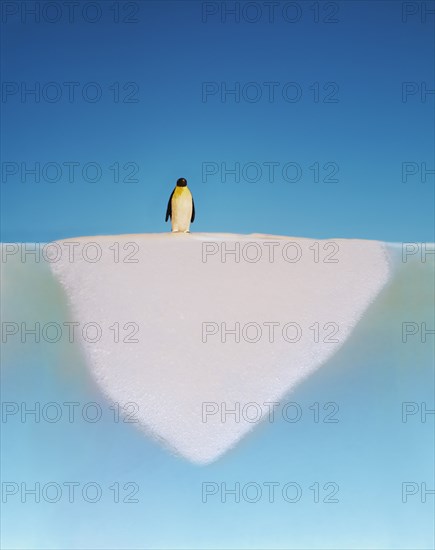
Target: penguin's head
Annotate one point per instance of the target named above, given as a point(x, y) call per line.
point(181, 182)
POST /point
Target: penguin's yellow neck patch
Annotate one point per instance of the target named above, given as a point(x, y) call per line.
point(180, 191)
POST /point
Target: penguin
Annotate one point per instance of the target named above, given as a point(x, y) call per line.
point(181, 208)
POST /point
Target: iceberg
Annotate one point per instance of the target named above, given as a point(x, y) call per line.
point(214, 323)
point(192, 327)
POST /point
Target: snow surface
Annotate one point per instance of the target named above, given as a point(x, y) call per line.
point(170, 372)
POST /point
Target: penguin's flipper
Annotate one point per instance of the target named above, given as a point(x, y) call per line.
point(169, 208)
point(192, 219)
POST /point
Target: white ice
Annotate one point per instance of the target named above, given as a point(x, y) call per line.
point(179, 283)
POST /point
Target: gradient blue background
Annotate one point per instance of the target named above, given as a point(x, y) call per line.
point(170, 132)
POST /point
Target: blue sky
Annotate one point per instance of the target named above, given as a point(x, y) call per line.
point(344, 117)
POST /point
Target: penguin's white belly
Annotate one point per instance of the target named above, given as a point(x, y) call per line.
point(181, 212)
